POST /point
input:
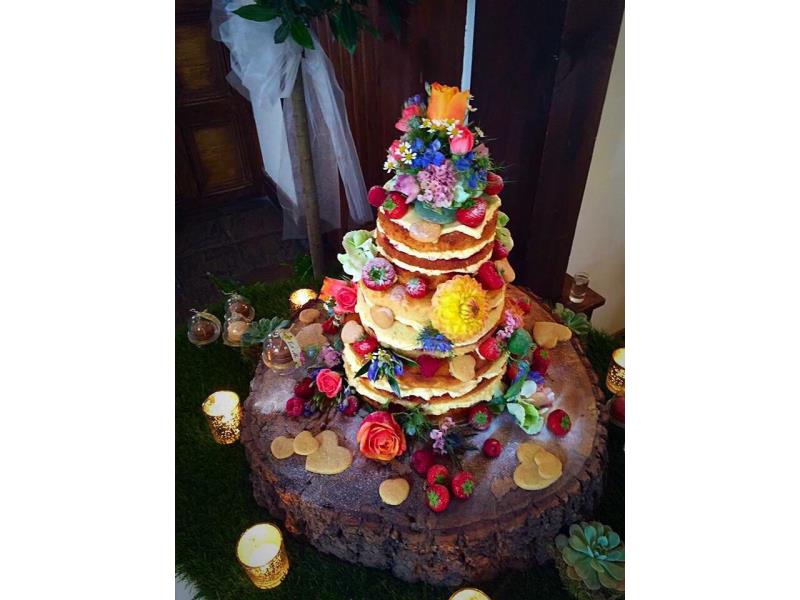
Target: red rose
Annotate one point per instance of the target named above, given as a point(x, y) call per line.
point(462, 142)
point(380, 438)
point(329, 382)
point(345, 300)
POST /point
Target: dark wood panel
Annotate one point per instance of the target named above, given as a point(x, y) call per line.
point(588, 42)
point(199, 64)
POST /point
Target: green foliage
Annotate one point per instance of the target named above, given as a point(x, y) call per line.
point(259, 330)
point(577, 322)
point(595, 557)
point(414, 423)
point(345, 17)
point(214, 495)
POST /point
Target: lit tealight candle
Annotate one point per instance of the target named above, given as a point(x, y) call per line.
point(223, 412)
point(262, 554)
point(299, 298)
point(469, 594)
point(615, 380)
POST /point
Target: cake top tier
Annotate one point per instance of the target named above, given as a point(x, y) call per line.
point(440, 163)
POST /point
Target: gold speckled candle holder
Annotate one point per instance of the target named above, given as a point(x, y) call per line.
point(262, 554)
point(469, 594)
point(615, 380)
point(223, 412)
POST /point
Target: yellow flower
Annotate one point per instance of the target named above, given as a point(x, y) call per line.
point(459, 308)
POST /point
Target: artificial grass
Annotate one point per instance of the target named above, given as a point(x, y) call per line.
point(214, 502)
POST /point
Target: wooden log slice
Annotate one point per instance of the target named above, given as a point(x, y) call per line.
point(500, 527)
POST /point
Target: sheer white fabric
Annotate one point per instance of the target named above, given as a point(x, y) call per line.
point(264, 72)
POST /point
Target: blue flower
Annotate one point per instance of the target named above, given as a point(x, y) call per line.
point(433, 341)
point(537, 377)
point(462, 164)
point(419, 146)
point(398, 367)
point(524, 368)
point(372, 373)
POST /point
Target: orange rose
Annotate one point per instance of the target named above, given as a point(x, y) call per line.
point(380, 438)
point(447, 102)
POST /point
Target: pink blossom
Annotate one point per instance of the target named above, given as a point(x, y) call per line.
point(438, 441)
point(437, 185)
point(394, 152)
point(407, 184)
point(511, 323)
point(409, 112)
point(462, 141)
point(481, 150)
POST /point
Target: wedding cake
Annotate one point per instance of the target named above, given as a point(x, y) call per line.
point(433, 326)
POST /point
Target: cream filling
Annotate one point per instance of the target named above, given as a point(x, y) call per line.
point(404, 337)
point(492, 204)
point(353, 363)
point(431, 409)
point(438, 254)
point(469, 269)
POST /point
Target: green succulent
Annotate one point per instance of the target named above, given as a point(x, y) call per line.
point(577, 322)
point(594, 556)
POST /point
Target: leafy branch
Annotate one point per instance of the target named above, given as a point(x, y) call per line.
point(346, 18)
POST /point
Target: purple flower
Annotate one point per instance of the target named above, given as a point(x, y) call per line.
point(537, 377)
point(438, 441)
point(436, 183)
point(330, 356)
point(432, 341)
point(372, 373)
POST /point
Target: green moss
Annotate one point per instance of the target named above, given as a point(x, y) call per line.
point(214, 501)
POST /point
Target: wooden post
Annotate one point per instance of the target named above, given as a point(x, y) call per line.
point(307, 192)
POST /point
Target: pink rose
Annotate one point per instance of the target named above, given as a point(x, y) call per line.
point(409, 112)
point(407, 184)
point(329, 382)
point(481, 150)
point(345, 297)
point(462, 141)
point(393, 150)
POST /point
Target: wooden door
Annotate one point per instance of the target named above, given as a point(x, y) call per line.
point(217, 156)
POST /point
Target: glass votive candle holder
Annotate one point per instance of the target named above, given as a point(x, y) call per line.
point(469, 594)
point(233, 330)
point(615, 380)
point(300, 297)
point(237, 306)
point(580, 285)
point(223, 413)
point(262, 554)
point(203, 329)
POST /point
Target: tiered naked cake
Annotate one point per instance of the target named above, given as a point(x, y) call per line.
point(436, 293)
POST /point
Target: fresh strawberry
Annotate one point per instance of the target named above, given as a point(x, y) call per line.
point(494, 184)
point(295, 406)
point(417, 287)
point(349, 407)
point(365, 346)
point(499, 251)
point(304, 388)
point(463, 485)
point(618, 410)
point(490, 349)
point(541, 360)
point(329, 327)
point(437, 497)
point(480, 417)
point(395, 205)
point(473, 215)
point(559, 422)
point(492, 448)
point(524, 306)
point(489, 277)
point(511, 371)
point(437, 474)
point(422, 460)
point(376, 196)
point(428, 365)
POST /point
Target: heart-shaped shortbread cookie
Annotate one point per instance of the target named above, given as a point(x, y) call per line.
point(330, 458)
point(305, 443)
point(537, 467)
point(463, 367)
point(548, 334)
point(394, 491)
point(282, 447)
point(352, 332)
point(309, 315)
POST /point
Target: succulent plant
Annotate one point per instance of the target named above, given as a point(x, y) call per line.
point(577, 322)
point(594, 556)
